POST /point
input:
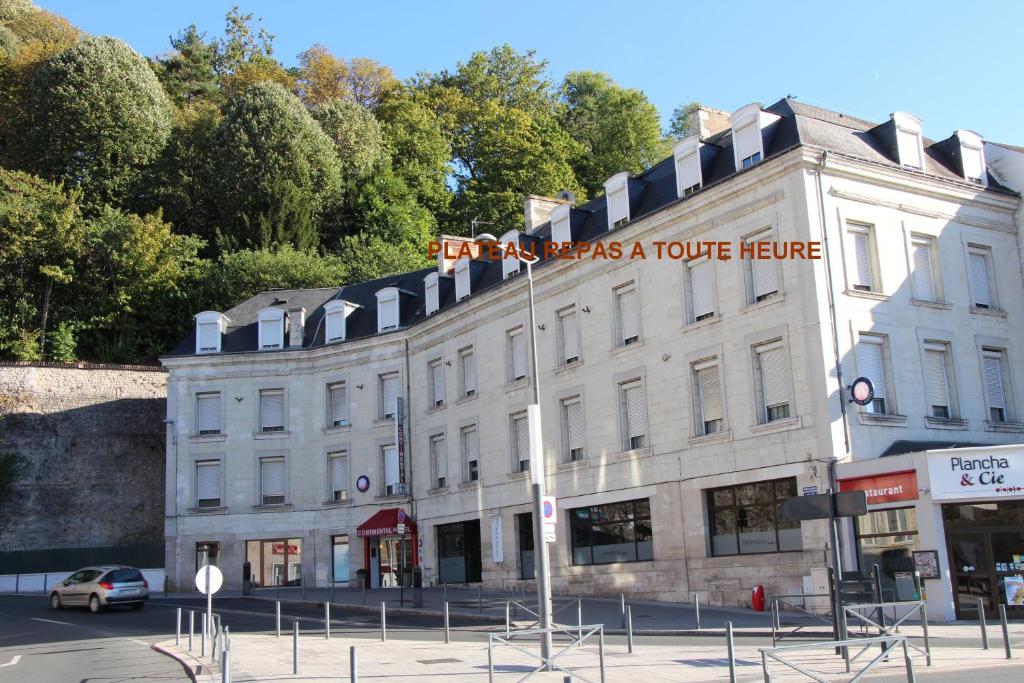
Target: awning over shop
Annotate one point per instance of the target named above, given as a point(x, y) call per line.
point(385, 523)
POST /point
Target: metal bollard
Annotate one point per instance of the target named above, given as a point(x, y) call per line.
point(622, 602)
point(480, 599)
point(732, 651)
point(444, 592)
point(277, 612)
point(507, 620)
point(629, 628)
point(579, 617)
point(600, 651)
point(447, 632)
point(383, 623)
point(911, 678)
point(567, 679)
point(177, 627)
point(191, 628)
point(981, 620)
point(225, 662)
point(327, 621)
point(696, 608)
point(363, 584)
point(1006, 631)
point(353, 665)
point(202, 636)
point(295, 647)
point(923, 618)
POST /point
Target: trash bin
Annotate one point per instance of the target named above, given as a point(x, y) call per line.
point(246, 578)
point(361, 577)
point(757, 598)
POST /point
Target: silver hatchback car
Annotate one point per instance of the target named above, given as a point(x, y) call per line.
point(100, 587)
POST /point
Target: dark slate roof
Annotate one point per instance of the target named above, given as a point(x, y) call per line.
point(901, 447)
point(653, 190)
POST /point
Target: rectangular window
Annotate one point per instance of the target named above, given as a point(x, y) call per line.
point(520, 438)
point(439, 461)
point(937, 384)
point(861, 261)
point(633, 415)
point(708, 405)
point(207, 553)
point(388, 395)
point(392, 474)
point(751, 160)
point(339, 558)
point(627, 315)
point(526, 561)
point(208, 413)
point(573, 432)
point(700, 299)
point(744, 519)
point(209, 337)
point(272, 410)
point(763, 273)
point(338, 466)
point(516, 353)
point(692, 189)
point(208, 483)
point(771, 380)
point(889, 538)
point(923, 276)
point(272, 481)
point(568, 336)
point(337, 399)
point(908, 145)
point(871, 364)
point(467, 372)
point(470, 454)
point(271, 333)
point(994, 367)
point(980, 274)
point(436, 374)
point(616, 532)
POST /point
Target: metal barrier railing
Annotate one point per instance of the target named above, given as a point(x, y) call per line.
point(790, 601)
point(888, 642)
point(888, 629)
point(548, 664)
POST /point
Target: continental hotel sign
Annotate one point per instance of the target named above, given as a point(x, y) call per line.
point(977, 473)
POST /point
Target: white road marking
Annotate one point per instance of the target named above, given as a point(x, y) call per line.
point(141, 642)
point(13, 661)
point(51, 621)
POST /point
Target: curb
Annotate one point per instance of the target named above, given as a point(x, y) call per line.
point(404, 611)
point(193, 675)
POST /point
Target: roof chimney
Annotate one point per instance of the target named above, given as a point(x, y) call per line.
point(705, 121)
point(537, 209)
point(296, 327)
point(451, 250)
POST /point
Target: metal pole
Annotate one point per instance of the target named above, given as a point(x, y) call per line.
point(507, 621)
point(277, 613)
point(225, 663)
point(579, 616)
point(696, 608)
point(923, 615)
point(600, 650)
point(209, 601)
point(202, 636)
point(177, 627)
point(622, 603)
point(732, 652)
point(629, 628)
point(353, 665)
point(837, 564)
point(191, 628)
point(911, 678)
point(447, 631)
point(383, 623)
point(444, 592)
point(981, 620)
point(1006, 631)
point(764, 668)
point(295, 647)
point(334, 585)
point(327, 621)
point(480, 598)
point(490, 661)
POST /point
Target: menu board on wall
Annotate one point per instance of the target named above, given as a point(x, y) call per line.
point(1014, 590)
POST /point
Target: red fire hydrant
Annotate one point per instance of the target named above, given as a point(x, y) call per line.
point(757, 598)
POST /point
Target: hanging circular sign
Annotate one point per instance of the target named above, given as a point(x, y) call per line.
point(363, 483)
point(862, 392)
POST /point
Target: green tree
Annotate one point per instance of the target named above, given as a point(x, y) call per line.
point(11, 9)
point(617, 128)
point(98, 117)
point(188, 73)
point(266, 137)
point(356, 134)
point(678, 127)
point(418, 148)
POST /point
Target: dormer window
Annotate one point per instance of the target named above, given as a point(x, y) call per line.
point(509, 262)
point(210, 326)
point(972, 157)
point(747, 141)
point(561, 227)
point(387, 309)
point(462, 279)
point(271, 329)
point(689, 178)
point(336, 313)
point(433, 294)
point(616, 190)
point(908, 140)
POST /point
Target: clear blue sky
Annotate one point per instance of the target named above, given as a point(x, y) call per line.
point(954, 64)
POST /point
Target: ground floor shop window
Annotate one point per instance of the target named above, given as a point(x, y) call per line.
point(616, 532)
point(986, 556)
point(888, 538)
point(339, 558)
point(527, 568)
point(745, 520)
point(207, 552)
point(275, 562)
point(458, 550)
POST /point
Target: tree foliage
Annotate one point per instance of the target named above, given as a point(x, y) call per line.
point(356, 134)
point(189, 73)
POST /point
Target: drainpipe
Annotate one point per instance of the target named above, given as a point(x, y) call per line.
point(408, 433)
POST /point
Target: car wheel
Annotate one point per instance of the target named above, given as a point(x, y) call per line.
point(94, 604)
point(55, 601)
point(136, 606)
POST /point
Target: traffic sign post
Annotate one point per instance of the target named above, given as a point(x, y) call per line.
point(549, 517)
point(208, 581)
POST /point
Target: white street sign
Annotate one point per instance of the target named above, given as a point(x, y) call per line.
point(549, 533)
point(215, 577)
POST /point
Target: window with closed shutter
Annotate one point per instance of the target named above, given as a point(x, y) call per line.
point(973, 161)
point(339, 475)
point(467, 362)
point(923, 279)
point(208, 413)
point(628, 305)
point(764, 273)
point(433, 296)
point(389, 396)
point(572, 426)
point(871, 364)
point(470, 454)
point(774, 376)
point(209, 337)
point(516, 355)
point(272, 481)
point(909, 147)
point(981, 295)
point(437, 383)
point(439, 461)
point(634, 414)
point(569, 335)
point(208, 483)
point(702, 296)
point(937, 380)
point(860, 239)
point(339, 404)
point(272, 410)
point(335, 325)
point(391, 471)
point(521, 443)
point(387, 313)
point(992, 364)
point(709, 389)
point(271, 329)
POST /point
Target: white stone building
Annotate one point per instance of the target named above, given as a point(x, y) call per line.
point(681, 399)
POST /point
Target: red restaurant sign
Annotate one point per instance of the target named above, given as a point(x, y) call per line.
point(884, 488)
point(292, 549)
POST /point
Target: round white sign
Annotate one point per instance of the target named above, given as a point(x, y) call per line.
point(216, 579)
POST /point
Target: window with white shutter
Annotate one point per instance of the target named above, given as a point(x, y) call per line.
point(338, 465)
point(568, 335)
point(392, 478)
point(432, 293)
point(702, 290)
point(627, 314)
point(764, 273)
point(516, 347)
point(908, 143)
point(710, 416)
point(272, 410)
point(871, 364)
point(634, 415)
point(520, 443)
point(470, 454)
point(436, 383)
point(272, 481)
point(972, 157)
point(271, 328)
point(980, 273)
point(208, 483)
point(993, 366)
point(439, 461)
point(335, 330)
point(467, 372)
point(209, 337)
point(388, 395)
point(861, 277)
point(574, 435)
point(387, 309)
point(923, 278)
point(937, 385)
point(772, 375)
point(208, 413)
point(337, 395)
